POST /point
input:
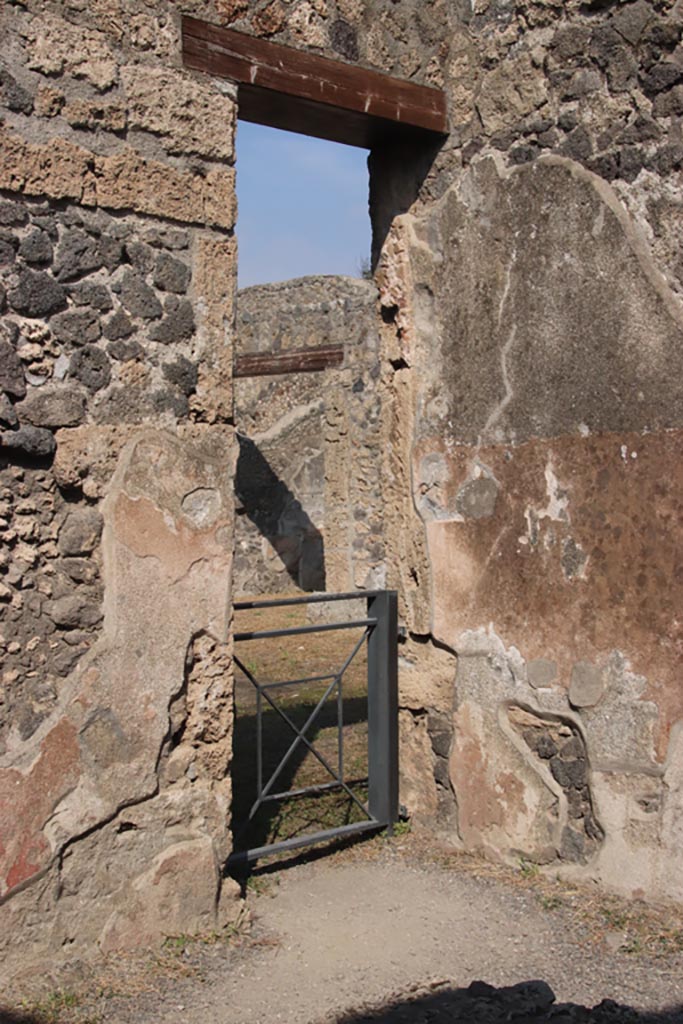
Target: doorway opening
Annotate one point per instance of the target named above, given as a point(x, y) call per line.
point(305, 306)
point(304, 244)
point(308, 388)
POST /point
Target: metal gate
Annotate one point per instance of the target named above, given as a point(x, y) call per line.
point(379, 632)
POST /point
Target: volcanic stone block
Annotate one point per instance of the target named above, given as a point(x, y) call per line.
point(183, 374)
point(8, 248)
point(568, 773)
point(37, 294)
point(8, 417)
point(91, 366)
point(661, 77)
point(73, 610)
point(124, 350)
point(76, 327)
point(35, 441)
point(13, 214)
point(138, 298)
point(77, 255)
point(140, 256)
point(80, 570)
point(36, 247)
point(95, 295)
point(118, 326)
point(12, 380)
point(54, 407)
point(178, 322)
point(171, 275)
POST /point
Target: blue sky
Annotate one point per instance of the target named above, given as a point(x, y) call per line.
point(302, 206)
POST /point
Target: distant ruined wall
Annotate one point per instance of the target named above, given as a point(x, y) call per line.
point(308, 481)
point(117, 271)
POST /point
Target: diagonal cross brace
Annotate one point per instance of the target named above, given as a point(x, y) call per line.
point(300, 736)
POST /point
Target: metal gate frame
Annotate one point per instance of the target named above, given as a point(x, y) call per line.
point(381, 630)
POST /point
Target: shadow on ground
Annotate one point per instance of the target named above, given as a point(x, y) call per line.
point(277, 821)
point(530, 1002)
point(18, 1017)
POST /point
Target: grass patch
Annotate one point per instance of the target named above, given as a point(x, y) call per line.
point(550, 901)
point(59, 1007)
point(177, 945)
point(398, 829)
point(528, 869)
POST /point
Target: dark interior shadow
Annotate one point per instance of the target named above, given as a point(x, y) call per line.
point(530, 1002)
point(398, 170)
point(279, 517)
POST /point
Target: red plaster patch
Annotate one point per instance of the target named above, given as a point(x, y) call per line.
point(27, 801)
point(624, 511)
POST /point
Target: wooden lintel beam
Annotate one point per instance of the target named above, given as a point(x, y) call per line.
point(305, 360)
point(289, 88)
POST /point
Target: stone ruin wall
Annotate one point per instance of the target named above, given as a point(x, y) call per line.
point(530, 274)
point(532, 380)
point(309, 512)
point(117, 269)
point(530, 278)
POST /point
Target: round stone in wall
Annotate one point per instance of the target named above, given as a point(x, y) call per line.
point(202, 507)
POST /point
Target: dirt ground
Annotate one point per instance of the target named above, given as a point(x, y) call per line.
point(392, 930)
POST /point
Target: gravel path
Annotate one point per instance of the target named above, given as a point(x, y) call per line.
point(337, 937)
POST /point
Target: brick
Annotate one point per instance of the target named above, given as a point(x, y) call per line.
point(124, 180)
point(195, 117)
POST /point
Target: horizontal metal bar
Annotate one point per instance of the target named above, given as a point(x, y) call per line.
point(282, 602)
point(249, 856)
point(295, 682)
point(327, 627)
point(305, 790)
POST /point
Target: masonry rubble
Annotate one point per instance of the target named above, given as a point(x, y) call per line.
point(532, 1001)
point(523, 385)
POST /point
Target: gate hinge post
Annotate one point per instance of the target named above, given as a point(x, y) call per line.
point(383, 708)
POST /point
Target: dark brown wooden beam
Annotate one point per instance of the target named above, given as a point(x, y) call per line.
point(303, 360)
point(288, 88)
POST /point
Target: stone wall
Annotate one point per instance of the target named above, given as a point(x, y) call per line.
point(524, 408)
point(309, 472)
point(117, 270)
point(531, 280)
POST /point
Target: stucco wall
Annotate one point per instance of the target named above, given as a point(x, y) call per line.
point(532, 272)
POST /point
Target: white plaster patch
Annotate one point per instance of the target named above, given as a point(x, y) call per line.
point(557, 508)
point(202, 506)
